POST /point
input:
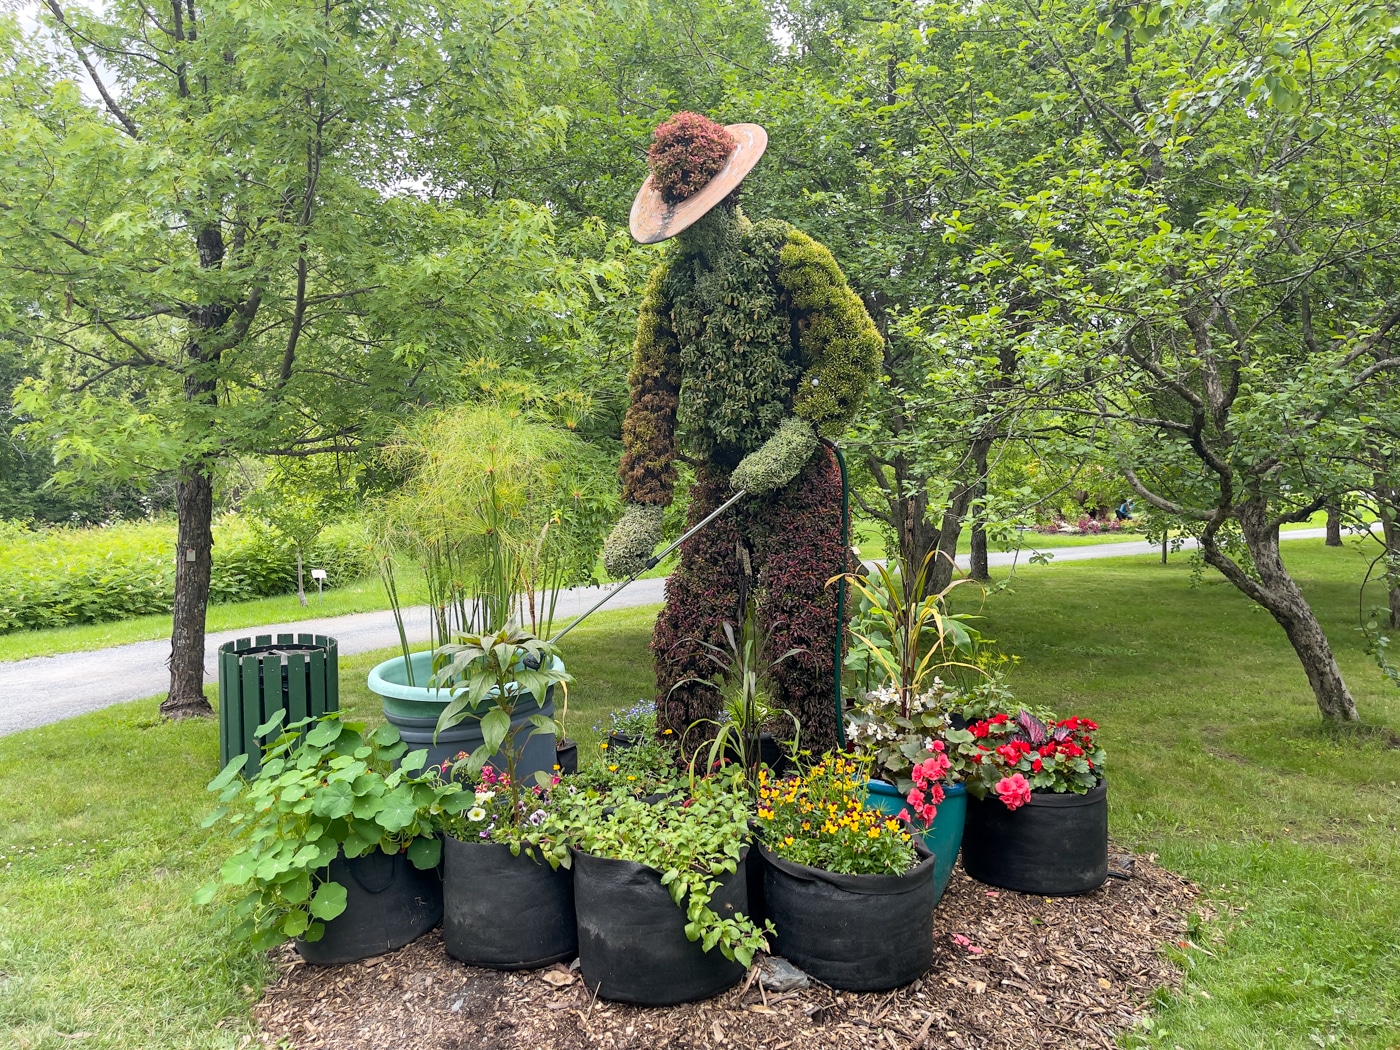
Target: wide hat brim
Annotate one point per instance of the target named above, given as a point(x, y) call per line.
point(653, 220)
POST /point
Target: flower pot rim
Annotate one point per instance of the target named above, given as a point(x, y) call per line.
point(575, 851)
point(880, 884)
point(381, 686)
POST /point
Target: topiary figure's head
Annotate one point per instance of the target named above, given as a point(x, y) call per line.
point(686, 152)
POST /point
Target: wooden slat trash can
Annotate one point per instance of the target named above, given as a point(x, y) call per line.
point(262, 675)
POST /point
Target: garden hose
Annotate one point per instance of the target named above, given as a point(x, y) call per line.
point(841, 591)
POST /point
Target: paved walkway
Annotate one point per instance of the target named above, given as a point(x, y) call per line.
point(46, 689)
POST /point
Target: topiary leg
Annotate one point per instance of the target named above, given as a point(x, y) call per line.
point(701, 594)
point(801, 546)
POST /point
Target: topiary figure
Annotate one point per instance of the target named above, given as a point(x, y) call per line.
point(750, 347)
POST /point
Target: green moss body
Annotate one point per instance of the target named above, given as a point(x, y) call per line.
point(744, 326)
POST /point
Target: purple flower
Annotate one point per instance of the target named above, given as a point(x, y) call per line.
point(536, 817)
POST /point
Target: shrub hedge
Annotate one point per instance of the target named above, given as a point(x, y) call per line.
point(57, 576)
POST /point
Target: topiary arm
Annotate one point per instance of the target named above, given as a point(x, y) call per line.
point(838, 344)
point(648, 470)
point(777, 461)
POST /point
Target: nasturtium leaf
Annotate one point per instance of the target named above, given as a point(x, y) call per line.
point(385, 735)
point(329, 900)
point(414, 760)
point(206, 893)
point(298, 888)
point(397, 812)
point(295, 924)
point(425, 853)
point(272, 723)
point(325, 733)
point(357, 844)
point(238, 868)
point(334, 800)
point(234, 767)
point(366, 806)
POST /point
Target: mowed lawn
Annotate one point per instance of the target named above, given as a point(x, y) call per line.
point(1218, 765)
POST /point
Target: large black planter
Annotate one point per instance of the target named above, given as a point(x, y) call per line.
point(859, 933)
point(632, 946)
point(388, 902)
point(505, 912)
point(1056, 845)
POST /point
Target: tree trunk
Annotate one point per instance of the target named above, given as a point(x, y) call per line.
point(940, 573)
point(978, 568)
point(1277, 592)
point(1390, 534)
point(301, 591)
point(194, 499)
point(909, 516)
point(1334, 526)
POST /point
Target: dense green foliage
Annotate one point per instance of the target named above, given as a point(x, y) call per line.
point(333, 788)
point(57, 576)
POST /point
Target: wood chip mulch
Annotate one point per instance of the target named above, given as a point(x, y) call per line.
point(1009, 971)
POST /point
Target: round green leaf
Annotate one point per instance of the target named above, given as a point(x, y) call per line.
point(329, 900)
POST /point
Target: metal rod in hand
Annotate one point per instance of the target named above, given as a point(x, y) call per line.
point(654, 561)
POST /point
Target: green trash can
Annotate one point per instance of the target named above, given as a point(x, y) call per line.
point(262, 675)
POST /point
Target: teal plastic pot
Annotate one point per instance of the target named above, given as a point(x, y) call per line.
point(943, 837)
point(415, 709)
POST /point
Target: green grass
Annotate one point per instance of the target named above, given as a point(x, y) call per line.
point(1218, 765)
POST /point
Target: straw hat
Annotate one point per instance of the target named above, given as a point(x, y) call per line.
point(654, 220)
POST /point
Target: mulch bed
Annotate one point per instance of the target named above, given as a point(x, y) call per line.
point(1009, 971)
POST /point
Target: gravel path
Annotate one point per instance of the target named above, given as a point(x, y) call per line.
point(46, 689)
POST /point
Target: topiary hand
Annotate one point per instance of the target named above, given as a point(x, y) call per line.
point(632, 540)
point(777, 460)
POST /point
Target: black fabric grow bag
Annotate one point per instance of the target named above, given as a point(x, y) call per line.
point(859, 933)
point(566, 757)
point(1056, 845)
point(632, 946)
point(505, 912)
point(388, 902)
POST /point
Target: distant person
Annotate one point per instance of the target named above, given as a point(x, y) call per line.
point(1125, 510)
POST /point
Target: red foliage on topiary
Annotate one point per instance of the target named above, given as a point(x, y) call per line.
point(795, 544)
point(686, 152)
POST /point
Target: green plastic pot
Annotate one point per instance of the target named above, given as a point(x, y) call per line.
point(414, 709)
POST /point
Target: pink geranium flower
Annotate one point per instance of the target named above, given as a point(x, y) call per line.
point(1014, 791)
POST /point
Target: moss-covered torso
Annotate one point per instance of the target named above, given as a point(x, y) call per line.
point(734, 334)
point(743, 326)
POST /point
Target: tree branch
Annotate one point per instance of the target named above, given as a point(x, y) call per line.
point(107, 98)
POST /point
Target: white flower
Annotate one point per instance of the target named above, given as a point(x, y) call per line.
point(476, 813)
point(484, 796)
